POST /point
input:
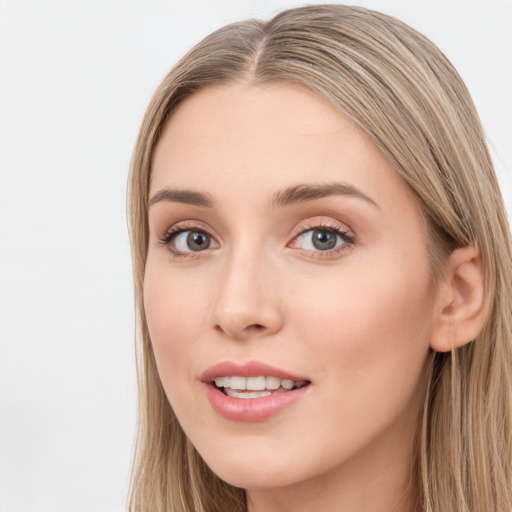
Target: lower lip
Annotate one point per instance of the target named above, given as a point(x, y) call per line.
point(251, 409)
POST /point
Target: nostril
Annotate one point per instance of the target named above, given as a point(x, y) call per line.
point(256, 327)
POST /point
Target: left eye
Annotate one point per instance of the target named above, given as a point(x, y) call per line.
point(320, 240)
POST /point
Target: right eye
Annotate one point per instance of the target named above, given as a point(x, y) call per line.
point(181, 241)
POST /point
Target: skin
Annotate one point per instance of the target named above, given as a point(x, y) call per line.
point(357, 321)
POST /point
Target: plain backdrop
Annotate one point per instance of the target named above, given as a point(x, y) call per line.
point(75, 79)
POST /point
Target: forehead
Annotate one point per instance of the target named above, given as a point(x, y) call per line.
point(254, 140)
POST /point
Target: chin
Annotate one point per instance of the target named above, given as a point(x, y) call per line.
point(251, 469)
point(247, 477)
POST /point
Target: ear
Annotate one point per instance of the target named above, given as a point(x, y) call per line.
point(460, 306)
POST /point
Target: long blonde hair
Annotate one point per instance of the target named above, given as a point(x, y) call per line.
point(405, 95)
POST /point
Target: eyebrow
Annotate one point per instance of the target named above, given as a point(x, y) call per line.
point(309, 192)
point(183, 196)
point(288, 196)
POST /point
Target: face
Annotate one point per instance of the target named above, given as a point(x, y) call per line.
point(286, 257)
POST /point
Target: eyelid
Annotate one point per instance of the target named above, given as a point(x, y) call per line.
point(187, 225)
point(315, 223)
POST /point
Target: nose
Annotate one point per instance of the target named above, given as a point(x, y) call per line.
point(246, 301)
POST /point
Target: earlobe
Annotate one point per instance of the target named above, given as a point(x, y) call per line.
point(461, 302)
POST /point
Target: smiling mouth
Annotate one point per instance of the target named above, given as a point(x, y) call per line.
point(256, 387)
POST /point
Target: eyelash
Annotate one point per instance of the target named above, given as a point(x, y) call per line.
point(173, 232)
point(348, 240)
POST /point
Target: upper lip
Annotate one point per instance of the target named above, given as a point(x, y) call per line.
point(249, 369)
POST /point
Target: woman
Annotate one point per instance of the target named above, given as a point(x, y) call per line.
point(323, 277)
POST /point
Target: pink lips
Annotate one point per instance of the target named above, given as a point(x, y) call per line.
point(253, 409)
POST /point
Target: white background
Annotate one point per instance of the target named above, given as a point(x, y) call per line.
point(75, 79)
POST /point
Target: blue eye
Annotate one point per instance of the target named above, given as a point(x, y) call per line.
point(322, 239)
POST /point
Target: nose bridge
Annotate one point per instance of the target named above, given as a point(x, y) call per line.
point(245, 303)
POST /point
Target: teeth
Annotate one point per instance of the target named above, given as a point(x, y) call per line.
point(254, 394)
point(287, 383)
point(261, 383)
point(236, 382)
point(273, 383)
point(256, 383)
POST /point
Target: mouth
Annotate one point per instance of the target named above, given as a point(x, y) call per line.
point(256, 387)
point(252, 391)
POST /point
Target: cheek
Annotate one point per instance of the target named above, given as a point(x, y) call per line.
point(366, 341)
point(174, 311)
point(374, 326)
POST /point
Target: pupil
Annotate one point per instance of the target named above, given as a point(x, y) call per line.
point(324, 240)
point(198, 241)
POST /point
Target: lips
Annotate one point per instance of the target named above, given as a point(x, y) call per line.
point(251, 392)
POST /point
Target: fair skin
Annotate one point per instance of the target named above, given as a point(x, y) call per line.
point(335, 288)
